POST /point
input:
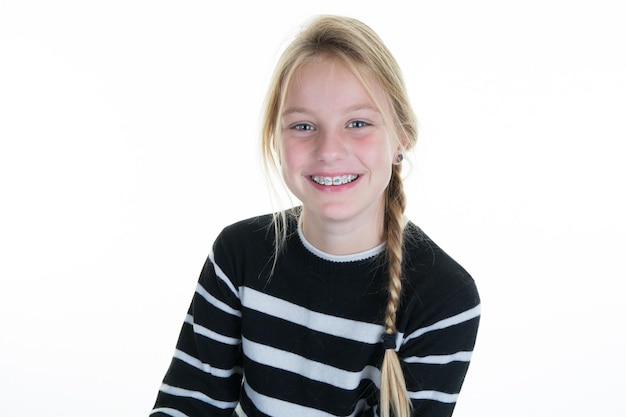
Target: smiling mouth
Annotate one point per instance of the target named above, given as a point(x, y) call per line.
point(338, 180)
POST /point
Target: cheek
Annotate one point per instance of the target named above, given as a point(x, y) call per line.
point(380, 157)
point(289, 160)
point(284, 156)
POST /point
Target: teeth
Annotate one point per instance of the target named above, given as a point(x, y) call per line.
point(338, 180)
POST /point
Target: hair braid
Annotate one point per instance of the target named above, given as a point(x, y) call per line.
point(393, 394)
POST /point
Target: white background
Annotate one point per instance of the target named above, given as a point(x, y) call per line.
point(129, 139)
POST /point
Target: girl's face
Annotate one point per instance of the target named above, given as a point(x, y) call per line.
point(336, 150)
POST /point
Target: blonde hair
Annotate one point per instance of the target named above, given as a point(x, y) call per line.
point(360, 48)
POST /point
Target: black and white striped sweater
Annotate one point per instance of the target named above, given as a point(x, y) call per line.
point(307, 340)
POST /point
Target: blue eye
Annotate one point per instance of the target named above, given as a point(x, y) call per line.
point(302, 126)
point(358, 123)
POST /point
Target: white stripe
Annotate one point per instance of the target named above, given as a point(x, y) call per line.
point(203, 331)
point(440, 359)
point(439, 396)
point(169, 412)
point(279, 408)
point(205, 367)
point(215, 302)
point(449, 322)
point(325, 323)
point(308, 368)
point(239, 411)
point(220, 274)
point(181, 392)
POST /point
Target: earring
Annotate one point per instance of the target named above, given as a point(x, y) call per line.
point(399, 159)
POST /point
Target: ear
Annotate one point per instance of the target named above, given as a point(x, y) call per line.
point(400, 150)
point(403, 143)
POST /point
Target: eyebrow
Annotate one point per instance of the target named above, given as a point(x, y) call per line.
point(291, 110)
point(357, 107)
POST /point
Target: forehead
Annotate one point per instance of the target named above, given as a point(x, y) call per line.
point(330, 78)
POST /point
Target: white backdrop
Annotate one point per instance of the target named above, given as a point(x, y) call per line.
point(129, 139)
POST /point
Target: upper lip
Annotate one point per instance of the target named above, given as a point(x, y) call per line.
point(331, 175)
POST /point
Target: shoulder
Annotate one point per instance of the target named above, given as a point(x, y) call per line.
point(251, 227)
point(432, 275)
point(437, 291)
point(244, 247)
point(246, 234)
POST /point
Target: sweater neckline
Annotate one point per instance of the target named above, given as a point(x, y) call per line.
point(354, 257)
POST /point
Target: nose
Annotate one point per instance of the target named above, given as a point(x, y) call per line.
point(331, 146)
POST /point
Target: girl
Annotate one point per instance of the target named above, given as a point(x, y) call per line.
point(341, 306)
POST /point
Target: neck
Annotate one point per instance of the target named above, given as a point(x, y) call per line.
point(338, 237)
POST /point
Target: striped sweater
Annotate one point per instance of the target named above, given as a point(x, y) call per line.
point(306, 341)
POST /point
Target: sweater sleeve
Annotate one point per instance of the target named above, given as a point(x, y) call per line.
point(204, 377)
point(438, 326)
point(436, 350)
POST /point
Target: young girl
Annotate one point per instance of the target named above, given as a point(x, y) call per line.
point(341, 306)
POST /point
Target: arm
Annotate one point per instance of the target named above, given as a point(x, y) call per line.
point(204, 377)
point(436, 350)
